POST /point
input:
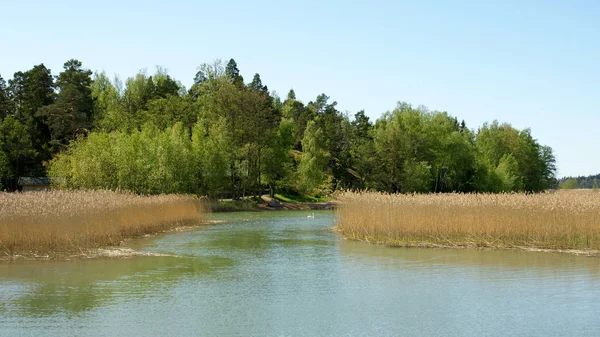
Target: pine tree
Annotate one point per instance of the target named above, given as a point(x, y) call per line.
point(72, 113)
point(233, 73)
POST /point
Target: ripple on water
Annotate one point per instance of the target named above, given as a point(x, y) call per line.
point(282, 274)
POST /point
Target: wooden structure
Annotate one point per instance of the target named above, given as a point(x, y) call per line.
point(27, 184)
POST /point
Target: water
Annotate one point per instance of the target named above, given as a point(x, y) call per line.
point(282, 274)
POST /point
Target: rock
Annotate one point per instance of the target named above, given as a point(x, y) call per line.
point(274, 203)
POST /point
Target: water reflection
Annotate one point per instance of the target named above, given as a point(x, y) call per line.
point(283, 274)
point(51, 287)
point(483, 261)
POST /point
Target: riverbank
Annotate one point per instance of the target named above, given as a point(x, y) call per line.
point(557, 222)
point(464, 245)
point(267, 203)
point(55, 224)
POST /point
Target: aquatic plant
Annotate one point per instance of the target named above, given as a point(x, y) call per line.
point(49, 222)
point(552, 220)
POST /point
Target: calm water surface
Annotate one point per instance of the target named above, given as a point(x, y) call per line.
point(282, 274)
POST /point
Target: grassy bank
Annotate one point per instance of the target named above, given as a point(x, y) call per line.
point(51, 222)
point(228, 205)
point(561, 220)
point(284, 203)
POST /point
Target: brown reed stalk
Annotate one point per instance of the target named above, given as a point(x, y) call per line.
point(50, 222)
point(553, 220)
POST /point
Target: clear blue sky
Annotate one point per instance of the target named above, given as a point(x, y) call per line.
point(533, 64)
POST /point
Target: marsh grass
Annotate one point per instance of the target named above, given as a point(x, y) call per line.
point(51, 222)
point(560, 220)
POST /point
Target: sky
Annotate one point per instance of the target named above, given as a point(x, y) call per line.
point(533, 64)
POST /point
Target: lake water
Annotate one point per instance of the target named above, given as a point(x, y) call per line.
point(283, 274)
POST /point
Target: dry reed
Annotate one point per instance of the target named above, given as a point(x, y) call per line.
point(50, 222)
point(560, 220)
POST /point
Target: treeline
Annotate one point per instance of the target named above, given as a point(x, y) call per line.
point(226, 137)
point(590, 181)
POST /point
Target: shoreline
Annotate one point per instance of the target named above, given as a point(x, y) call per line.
point(120, 251)
point(268, 204)
point(468, 245)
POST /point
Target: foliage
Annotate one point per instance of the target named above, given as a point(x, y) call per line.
point(311, 170)
point(298, 198)
point(228, 139)
point(579, 182)
point(568, 184)
point(72, 113)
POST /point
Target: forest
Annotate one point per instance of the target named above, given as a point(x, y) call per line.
point(225, 137)
point(580, 182)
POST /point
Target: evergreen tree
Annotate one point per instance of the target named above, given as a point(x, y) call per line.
point(291, 95)
point(17, 151)
point(72, 113)
point(6, 104)
point(31, 91)
point(233, 73)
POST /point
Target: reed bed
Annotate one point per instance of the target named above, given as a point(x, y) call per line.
point(560, 221)
point(47, 222)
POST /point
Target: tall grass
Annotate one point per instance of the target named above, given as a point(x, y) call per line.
point(64, 221)
point(561, 220)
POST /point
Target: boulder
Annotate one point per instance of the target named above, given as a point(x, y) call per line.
point(274, 203)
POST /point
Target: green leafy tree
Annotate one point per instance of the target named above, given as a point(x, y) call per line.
point(277, 163)
point(295, 111)
point(312, 172)
point(166, 86)
point(5, 169)
point(211, 148)
point(106, 98)
point(164, 112)
point(17, 147)
point(509, 174)
point(416, 177)
point(568, 184)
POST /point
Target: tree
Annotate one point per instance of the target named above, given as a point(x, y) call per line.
point(568, 184)
point(31, 91)
point(164, 112)
point(5, 169)
point(233, 73)
point(211, 148)
point(72, 113)
point(536, 163)
point(6, 104)
point(106, 98)
point(257, 85)
point(17, 149)
point(166, 86)
point(139, 90)
point(362, 125)
point(295, 111)
point(291, 95)
point(416, 177)
point(277, 163)
point(509, 174)
point(312, 172)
